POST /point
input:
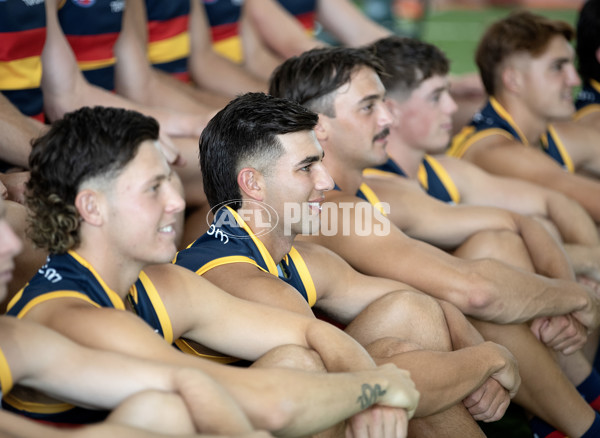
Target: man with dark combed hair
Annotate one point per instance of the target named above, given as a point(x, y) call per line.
point(105, 206)
point(268, 150)
point(499, 298)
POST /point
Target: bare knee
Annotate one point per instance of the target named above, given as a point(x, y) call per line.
point(383, 349)
point(409, 316)
point(503, 245)
point(157, 411)
point(292, 356)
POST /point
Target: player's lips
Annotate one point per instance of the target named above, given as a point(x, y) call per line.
point(316, 204)
point(167, 229)
point(6, 274)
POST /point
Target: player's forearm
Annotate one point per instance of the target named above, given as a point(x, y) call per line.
point(514, 296)
point(16, 133)
point(347, 23)
point(446, 378)
point(547, 255)
point(338, 351)
point(572, 221)
point(462, 332)
point(296, 403)
point(211, 407)
point(584, 259)
point(221, 75)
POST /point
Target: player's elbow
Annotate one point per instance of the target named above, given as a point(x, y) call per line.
point(477, 296)
point(280, 416)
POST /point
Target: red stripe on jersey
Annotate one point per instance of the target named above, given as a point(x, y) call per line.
point(160, 30)
point(22, 44)
point(93, 47)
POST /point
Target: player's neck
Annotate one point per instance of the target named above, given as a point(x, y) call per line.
point(277, 243)
point(118, 272)
point(409, 159)
point(346, 176)
point(530, 124)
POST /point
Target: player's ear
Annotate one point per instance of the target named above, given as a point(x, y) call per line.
point(322, 128)
point(598, 55)
point(512, 78)
point(250, 182)
point(87, 205)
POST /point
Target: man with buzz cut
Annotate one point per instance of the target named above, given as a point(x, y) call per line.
point(103, 203)
point(264, 177)
point(343, 86)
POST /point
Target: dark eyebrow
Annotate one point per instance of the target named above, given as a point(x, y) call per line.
point(369, 98)
point(440, 89)
point(310, 159)
point(160, 178)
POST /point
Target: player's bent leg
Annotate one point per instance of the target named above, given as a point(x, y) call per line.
point(291, 356)
point(453, 422)
point(501, 245)
point(545, 390)
point(155, 411)
point(409, 316)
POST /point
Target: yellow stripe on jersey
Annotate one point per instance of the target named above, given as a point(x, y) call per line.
point(226, 261)
point(186, 347)
point(372, 198)
point(94, 65)
point(115, 299)
point(371, 171)
point(37, 408)
point(561, 148)
point(271, 265)
point(51, 296)
point(159, 307)
point(169, 49)
point(230, 48)
point(443, 175)
point(309, 285)
point(21, 74)
point(6, 380)
point(588, 109)
point(467, 137)
point(508, 118)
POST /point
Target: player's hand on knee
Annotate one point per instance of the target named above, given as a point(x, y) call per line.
point(401, 391)
point(378, 422)
point(488, 402)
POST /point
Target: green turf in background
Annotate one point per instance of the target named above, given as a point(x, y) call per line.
point(457, 32)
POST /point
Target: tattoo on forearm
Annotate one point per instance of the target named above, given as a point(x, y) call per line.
point(369, 395)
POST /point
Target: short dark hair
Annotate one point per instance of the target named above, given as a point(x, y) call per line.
point(244, 133)
point(312, 77)
point(588, 40)
point(84, 144)
point(407, 62)
point(521, 31)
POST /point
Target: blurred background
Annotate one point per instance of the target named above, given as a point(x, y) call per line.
point(456, 25)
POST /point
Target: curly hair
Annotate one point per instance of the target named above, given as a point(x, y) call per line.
point(407, 62)
point(85, 144)
point(521, 31)
point(244, 133)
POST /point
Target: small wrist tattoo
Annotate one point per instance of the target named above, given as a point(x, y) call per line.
point(369, 396)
